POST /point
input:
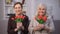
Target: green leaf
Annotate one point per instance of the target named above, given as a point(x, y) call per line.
point(19, 20)
point(41, 21)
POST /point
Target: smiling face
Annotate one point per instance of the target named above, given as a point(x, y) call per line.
point(18, 9)
point(41, 10)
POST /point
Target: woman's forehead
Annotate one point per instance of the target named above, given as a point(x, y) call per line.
point(41, 6)
point(17, 5)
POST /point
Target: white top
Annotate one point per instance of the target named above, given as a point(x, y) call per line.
point(19, 32)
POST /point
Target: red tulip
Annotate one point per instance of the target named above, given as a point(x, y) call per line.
point(40, 17)
point(17, 17)
point(21, 16)
point(45, 18)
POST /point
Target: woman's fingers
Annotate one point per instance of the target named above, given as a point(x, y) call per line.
point(19, 24)
point(37, 28)
point(41, 25)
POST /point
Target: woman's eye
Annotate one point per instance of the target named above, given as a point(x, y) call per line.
point(39, 8)
point(15, 7)
point(18, 7)
point(43, 9)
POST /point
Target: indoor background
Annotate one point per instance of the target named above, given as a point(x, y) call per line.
point(53, 7)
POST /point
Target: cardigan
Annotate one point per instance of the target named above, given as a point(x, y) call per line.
point(48, 24)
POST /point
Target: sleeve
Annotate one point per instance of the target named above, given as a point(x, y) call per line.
point(26, 23)
point(10, 29)
point(50, 24)
point(30, 28)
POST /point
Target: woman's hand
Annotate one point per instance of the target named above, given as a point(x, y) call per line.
point(17, 28)
point(19, 25)
point(47, 29)
point(36, 28)
point(39, 27)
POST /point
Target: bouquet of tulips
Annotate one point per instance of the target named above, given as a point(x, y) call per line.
point(41, 19)
point(19, 18)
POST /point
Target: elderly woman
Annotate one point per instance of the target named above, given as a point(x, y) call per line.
point(41, 23)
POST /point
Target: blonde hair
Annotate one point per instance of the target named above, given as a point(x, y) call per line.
point(40, 6)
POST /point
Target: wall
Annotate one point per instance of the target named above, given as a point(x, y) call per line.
point(52, 7)
point(3, 23)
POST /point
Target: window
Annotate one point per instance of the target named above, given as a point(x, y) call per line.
point(8, 7)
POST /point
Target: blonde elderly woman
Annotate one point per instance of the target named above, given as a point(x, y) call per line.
point(41, 23)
